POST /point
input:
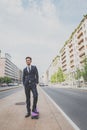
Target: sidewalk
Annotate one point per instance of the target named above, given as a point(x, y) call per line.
point(13, 110)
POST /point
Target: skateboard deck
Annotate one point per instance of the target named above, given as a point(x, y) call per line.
point(35, 115)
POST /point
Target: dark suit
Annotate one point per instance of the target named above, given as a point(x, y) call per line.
point(30, 81)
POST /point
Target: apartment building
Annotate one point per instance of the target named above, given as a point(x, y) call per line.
point(73, 52)
point(9, 69)
point(64, 59)
point(75, 49)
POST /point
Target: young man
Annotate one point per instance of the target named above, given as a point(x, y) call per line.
point(30, 81)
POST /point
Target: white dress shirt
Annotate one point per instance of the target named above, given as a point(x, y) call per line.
point(28, 67)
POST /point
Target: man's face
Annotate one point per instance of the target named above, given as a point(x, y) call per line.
point(28, 61)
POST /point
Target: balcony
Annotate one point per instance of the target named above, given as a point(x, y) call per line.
point(72, 66)
point(63, 54)
point(80, 34)
point(71, 55)
point(82, 53)
point(64, 62)
point(63, 57)
point(64, 66)
point(71, 51)
point(64, 70)
point(81, 40)
point(70, 45)
point(82, 59)
point(71, 61)
point(81, 47)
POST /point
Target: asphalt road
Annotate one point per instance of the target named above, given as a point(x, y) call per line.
point(6, 93)
point(73, 102)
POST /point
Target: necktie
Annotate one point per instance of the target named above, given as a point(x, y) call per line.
point(29, 69)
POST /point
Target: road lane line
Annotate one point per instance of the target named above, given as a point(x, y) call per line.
point(63, 113)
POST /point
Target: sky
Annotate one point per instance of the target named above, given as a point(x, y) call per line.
point(37, 28)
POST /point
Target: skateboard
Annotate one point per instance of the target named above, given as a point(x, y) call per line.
point(35, 115)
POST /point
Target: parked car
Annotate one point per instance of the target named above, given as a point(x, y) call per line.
point(4, 85)
point(43, 84)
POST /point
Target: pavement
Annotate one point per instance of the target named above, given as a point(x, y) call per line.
point(13, 110)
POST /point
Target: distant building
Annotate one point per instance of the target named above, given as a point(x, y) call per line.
point(9, 69)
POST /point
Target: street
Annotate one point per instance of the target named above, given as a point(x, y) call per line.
point(6, 93)
point(73, 102)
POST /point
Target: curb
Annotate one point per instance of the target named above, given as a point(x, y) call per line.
point(9, 88)
point(84, 88)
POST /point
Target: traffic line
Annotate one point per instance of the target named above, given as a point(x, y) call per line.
point(62, 112)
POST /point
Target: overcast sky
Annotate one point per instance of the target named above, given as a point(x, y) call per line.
point(37, 28)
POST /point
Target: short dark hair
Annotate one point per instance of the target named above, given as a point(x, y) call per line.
point(28, 57)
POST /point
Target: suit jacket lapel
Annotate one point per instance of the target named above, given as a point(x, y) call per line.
point(27, 70)
point(30, 69)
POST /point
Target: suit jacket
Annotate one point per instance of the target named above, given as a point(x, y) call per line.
point(30, 77)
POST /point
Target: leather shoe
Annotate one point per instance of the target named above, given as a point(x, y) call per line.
point(27, 115)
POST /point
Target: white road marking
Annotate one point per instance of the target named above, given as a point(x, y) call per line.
point(64, 114)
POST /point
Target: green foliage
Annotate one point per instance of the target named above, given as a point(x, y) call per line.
point(5, 80)
point(84, 72)
point(1, 80)
point(78, 74)
point(58, 77)
point(54, 78)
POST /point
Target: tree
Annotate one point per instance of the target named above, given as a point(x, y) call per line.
point(78, 74)
point(5, 80)
point(54, 78)
point(1, 80)
point(84, 72)
point(58, 76)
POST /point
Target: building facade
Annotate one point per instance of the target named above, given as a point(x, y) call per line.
point(75, 49)
point(73, 52)
point(9, 69)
